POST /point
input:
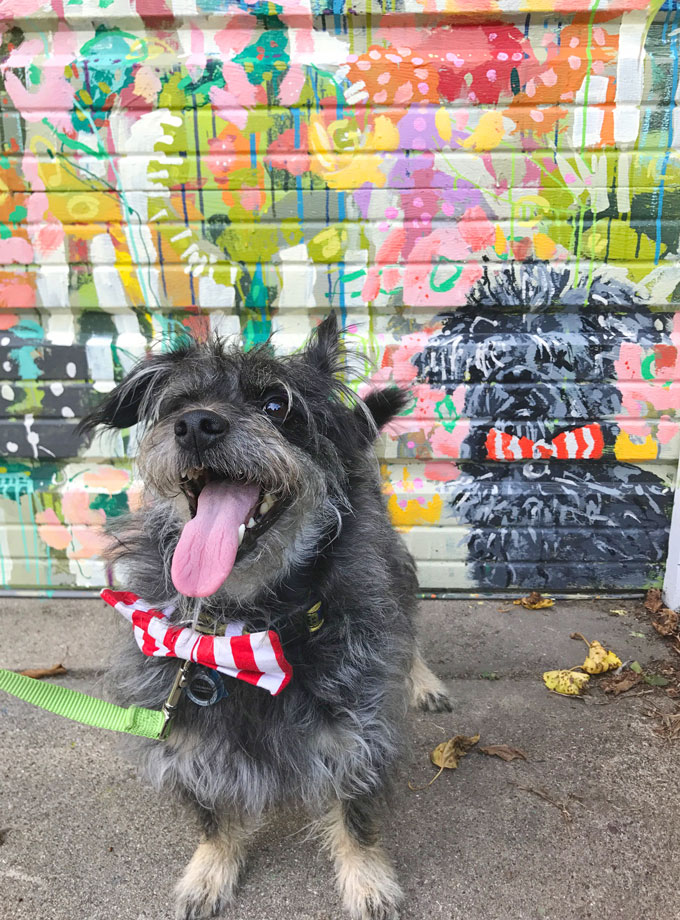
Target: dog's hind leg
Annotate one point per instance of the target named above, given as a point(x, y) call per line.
point(365, 877)
point(210, 879)
point(427, 691)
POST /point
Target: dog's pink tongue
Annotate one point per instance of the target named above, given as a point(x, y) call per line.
point(208, 544)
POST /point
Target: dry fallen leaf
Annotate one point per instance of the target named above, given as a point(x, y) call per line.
point(447, 756)
point(621, 683)
point(37, 673)
point(568, 683)
point(504, 751)
point(618, 612)
point(535, 601)
point(667, 622)
point(653, 601)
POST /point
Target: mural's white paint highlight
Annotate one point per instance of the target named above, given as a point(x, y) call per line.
point(630, 73)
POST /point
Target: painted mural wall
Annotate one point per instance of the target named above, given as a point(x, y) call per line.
point(486, 191)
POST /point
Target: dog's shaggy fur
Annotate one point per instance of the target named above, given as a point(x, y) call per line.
point(331, 738)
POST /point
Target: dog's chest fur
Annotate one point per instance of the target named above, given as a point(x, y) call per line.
point(335, 728)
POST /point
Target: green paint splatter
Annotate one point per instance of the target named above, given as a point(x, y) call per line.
point(113, 505)
point(646, 367)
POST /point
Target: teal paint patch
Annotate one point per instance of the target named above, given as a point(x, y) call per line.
point(18, 214)
point(25, 355)
point(113, 505)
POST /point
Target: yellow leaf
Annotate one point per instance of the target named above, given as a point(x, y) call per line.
point(569, 683)
point(535, 601)
point(600, 659)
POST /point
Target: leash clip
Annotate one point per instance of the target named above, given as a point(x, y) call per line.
point(170, 705)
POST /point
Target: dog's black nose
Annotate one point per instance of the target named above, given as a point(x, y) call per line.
point(200, 428)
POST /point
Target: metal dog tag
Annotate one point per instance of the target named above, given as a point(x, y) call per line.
point(206, 688)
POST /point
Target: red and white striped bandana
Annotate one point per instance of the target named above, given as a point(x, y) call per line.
point(256, 658)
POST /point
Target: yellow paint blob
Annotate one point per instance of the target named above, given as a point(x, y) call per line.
point(488, 133)
point(626, 449)
point(544, 247)
point(442, 123)
point(414, 513)
point(501, 244)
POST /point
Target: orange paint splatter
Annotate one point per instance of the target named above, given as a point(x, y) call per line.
point(51, 531)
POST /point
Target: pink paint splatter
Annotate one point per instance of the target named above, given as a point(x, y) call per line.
point(54, 95)
point(441, 471)
point(16, 250)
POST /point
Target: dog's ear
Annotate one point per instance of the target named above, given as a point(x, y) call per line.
point(324, 349)
point(126, 404)
point(383, 405)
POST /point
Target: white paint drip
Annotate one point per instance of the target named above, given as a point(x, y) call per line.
point(108, 285)
point(32, 437)
point(597, 94)
point(99, 358)
point(630, 73)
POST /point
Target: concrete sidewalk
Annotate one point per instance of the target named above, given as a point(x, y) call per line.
point(84, 840)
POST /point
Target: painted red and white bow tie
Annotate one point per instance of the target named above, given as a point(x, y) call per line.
point(257, 658)
point(585, 443)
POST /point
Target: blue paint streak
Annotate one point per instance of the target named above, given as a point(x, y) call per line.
point(664, 163)
point(186, 224)
point(253, 151)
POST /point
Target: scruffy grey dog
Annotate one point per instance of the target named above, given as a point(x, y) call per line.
point(283, 435)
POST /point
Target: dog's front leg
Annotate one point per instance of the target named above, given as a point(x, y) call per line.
point(209, 881)
point(427, 691)
point(365, 877)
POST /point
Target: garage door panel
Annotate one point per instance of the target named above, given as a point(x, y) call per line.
point(297, 280)
point(306, 192)
point(487, 200)
point(556, 578)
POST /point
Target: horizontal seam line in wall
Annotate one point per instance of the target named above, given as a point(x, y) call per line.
point(501, 263)
point(295, 221)
point(548, 421)
point(372, 108)
point(612, 152)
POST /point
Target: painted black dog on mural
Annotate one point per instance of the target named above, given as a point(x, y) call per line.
point(536, 349)
point(273, 456)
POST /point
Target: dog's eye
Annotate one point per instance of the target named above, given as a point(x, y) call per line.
point(276, 407)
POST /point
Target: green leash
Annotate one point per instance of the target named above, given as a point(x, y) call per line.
point(147, 723)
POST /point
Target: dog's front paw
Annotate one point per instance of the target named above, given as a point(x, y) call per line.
point(369, 887)
point(208, 884)
point(435, 701)
point(428, 692)
point(367, 901)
